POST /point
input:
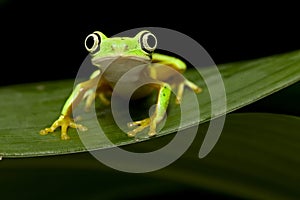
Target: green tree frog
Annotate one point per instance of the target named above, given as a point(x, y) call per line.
point(125, 53)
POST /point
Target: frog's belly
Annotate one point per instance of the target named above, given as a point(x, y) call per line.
point(126, 75)
point(132, 90)
point(113, 68)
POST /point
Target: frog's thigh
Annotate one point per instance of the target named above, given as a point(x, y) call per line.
point(102, 90)
point(173, 62)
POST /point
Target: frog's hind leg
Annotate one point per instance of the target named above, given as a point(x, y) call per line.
point(158, 115)
point(92, 94)
point(102, 90)
point(181, 86)
point(89, 97)
point(176, 64)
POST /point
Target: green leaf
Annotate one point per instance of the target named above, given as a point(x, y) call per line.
point(283, 102)
point(256, 157)
point(26, 109)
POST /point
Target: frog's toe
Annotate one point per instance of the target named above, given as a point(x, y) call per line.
point(139, 123)
point(65, 137)
point(133, 132)
point(45, 131)
point(152, 133)
point(178, 100)
point(198, 90)
point(193, 86)
point(78, 126)
point(50, 129)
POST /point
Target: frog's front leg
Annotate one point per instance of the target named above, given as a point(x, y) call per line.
point(65, 120)
point(158, 115)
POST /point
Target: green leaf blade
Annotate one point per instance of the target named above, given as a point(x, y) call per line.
point(26, 109)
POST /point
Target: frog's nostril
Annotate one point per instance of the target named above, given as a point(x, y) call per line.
point(119, 48)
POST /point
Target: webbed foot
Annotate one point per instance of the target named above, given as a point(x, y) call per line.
point(64, 122)
point(140, 126)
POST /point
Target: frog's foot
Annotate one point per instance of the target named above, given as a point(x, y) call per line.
point(140, 125)
point(181, 87)
point(64, 122)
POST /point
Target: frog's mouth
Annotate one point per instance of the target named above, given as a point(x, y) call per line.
point(116, 66)
point(119, 60)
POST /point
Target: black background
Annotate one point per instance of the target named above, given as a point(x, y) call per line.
point(43, 40)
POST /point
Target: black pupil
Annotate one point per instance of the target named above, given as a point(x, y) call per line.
point(90, 42)
point(151, 41)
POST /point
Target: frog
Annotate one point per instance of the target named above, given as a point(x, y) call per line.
point(113, 57)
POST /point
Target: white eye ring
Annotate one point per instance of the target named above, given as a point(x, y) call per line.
point(95, 44)
point(145, 41)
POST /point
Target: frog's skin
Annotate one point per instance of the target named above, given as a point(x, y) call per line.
point(125, 53)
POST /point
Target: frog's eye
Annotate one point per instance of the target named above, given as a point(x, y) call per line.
point(148, 41)
point(92, 42)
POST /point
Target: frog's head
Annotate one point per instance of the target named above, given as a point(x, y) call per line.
point(103, 48)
